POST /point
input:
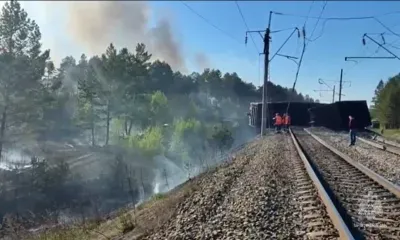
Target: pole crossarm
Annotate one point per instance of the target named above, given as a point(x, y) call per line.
point(350, 58)
point(286, 56)
point(380, 45)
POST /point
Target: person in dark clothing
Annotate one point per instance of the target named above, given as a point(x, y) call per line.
point(352, 132)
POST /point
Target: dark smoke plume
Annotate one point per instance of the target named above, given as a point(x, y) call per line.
point(95, 25)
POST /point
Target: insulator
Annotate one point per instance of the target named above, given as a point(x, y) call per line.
point(245, 40)
point(363, 41)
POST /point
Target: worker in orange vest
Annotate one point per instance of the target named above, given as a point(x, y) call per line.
point(278, 122)
point(284, 122)
point(287, 122)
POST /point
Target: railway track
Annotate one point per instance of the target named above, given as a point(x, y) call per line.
point(318, 221)
point(382, 145)
point(360, 203)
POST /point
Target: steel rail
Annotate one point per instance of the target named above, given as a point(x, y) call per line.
point(382, 146)
point(374, 176)
point(333, 213)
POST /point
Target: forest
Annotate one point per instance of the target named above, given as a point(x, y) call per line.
point(386, 103)
point(98, 132)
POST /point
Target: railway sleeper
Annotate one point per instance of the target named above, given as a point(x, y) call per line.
point(356, 191)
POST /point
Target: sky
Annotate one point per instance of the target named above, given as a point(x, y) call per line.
point(217, 38)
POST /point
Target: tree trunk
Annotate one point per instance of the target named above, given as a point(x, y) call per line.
point(130, 127)
point(126, 126)
point(92, 129)
point(108, 125)
point(92, 125)
point(3, 130)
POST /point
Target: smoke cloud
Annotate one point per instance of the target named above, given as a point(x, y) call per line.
point(202, 61)
point(94, 25)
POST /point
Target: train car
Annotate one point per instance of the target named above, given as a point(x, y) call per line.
point(336, 115)
point(254, 115)
point(298, 111)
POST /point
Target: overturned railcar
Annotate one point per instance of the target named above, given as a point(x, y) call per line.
point(336, 115)
point(298, 111)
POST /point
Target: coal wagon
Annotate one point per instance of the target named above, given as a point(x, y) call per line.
point(336, 115)
point(298, 111)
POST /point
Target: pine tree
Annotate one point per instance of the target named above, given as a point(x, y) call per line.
point(22, 66)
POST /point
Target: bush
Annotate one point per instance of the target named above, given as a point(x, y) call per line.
point(126, 221)
point(149, 143)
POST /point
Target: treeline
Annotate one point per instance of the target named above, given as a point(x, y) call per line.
point(117, 92)
point(386, 102)
point(121, 99)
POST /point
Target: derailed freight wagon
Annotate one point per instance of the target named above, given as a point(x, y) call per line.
point(297, 110)
point(336, 115)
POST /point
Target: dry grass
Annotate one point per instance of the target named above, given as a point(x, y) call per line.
point(129, 223)
point(133, 223)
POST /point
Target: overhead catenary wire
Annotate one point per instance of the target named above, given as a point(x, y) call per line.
point(282, 30)
point(210, 23)
point(378, 48)
point(338, 18)
point(327, 19)
point(319, 19)
point(284, 43)
point(247, 26)
point(302, 56)
point(386, 27)
point(309, 11)
point(370, 55)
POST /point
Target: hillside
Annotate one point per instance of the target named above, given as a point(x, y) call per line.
point(253, 191)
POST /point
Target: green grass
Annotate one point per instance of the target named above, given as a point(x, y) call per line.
point(390, 133)
point(158, 196)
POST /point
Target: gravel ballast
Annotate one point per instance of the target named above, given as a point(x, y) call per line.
point(252, 198)
point(384, 163)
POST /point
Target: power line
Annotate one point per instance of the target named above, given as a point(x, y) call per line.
point(247, 27)
point(301, 58)
point(319, 19)
point(386, 27)
point(393, 46)
point(284, 43)
point(370, 55)
point(358, 62)
point(308, 14)
point(302, 54)
point(378, 48)
point(210, 23)
point(356, 18)
point(338, 18)
point(379, 44)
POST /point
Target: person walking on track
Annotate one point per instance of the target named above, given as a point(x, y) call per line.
point(352, 131)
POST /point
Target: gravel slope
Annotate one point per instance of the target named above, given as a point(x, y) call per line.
point(384, 163)
point(252, 198)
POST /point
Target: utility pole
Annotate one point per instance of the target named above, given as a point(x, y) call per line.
point(340, 84)
point(322, 82)
point(264, 115)
point(333, 95)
